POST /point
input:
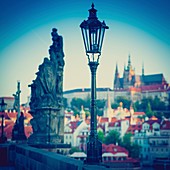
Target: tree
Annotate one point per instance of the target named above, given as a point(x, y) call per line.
point(114, 105)
point(126, 141)
point(77, 103)
point(149, 112)
point(113, 137)
point(126, 102)
point(87, 113)
point(134, 149)
point(157, 104)
point(101, 136)
point(87, 102)
point(100, 103)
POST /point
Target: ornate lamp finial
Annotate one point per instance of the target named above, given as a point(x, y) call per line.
point(92, 5)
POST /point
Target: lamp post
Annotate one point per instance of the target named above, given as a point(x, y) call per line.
point(93, 34)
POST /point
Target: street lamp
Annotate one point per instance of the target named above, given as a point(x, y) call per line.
point(93, 34)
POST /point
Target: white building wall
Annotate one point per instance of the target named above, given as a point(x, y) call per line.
point(85, 94)
point(80, 128)
point(124, 127)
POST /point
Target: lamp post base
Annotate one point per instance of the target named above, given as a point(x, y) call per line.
point(94, 151)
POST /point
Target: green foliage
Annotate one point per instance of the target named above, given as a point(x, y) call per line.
point(114, 105)
point(148, 111)
point(126, 141)
point(101, 136)
point(100, 103)
point(156, 104)
point(87, 112)
point(152, 107)
point(76, 103)
point(99, 112)
point(134, 149)
point(113, 137)
point(134, 107)
point(74, 149)
point(87, 102)
point(126, 102)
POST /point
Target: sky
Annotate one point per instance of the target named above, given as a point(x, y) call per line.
point(139, 28)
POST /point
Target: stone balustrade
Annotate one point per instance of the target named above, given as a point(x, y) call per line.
point(22, 156)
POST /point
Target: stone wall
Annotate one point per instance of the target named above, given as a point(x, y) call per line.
point(29, 158)
point(23, 157)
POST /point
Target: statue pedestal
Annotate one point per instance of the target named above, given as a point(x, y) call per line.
point(44, 138)
point(48, 126)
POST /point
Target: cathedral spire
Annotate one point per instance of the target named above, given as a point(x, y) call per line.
point(129, 63)
point(143, 72)
point(116, 71)
point(116, 79)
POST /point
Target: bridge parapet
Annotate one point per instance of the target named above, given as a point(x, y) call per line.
point(26, 157)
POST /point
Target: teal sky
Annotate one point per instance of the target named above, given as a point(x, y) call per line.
point(140, 28)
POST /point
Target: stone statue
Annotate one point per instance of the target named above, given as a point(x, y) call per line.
point(48, 86)
point(21, 127)
point(47, 93)
point(18, 132)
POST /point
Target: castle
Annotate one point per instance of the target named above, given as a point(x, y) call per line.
point(135, 87)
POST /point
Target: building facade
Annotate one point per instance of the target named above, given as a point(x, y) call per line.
point(135, 87)
point(9, 102)
point(154, 139)
point(85, 93)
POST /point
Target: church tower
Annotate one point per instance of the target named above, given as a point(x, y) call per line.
point(143, 72)
point(128, 75)
point(116, 79)
point(108, 111)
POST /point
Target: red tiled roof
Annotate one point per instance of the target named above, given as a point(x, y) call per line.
point(5, 115)
point(74, 124)
point(103, 119)
point(165, 125)
point(153, 118)
point(8, 130)
point(7, 122)
point(135, 89)
point(115, 124)
point(82, 136)
point(12, 115)
point(113, 149)
point(133, 128)
point(139, 113)
point(150, 121)
point(113, 119)
point(155, 87)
